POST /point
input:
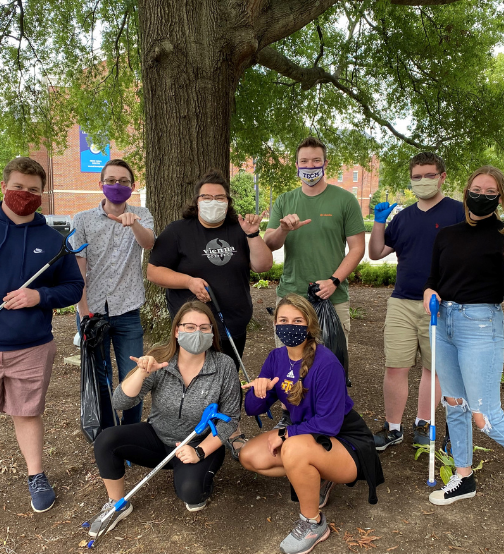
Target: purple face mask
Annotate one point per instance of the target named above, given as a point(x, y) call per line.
point(117, 194)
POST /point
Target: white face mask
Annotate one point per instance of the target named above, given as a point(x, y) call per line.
point(212, 211)
point(310, 175)
point(425, 188)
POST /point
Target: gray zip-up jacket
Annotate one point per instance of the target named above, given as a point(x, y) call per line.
point(177, 409)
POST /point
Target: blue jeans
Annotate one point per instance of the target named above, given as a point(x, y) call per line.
point(469, 358)
point(126, 334)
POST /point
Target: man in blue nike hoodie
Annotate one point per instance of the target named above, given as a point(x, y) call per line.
point(27, 347)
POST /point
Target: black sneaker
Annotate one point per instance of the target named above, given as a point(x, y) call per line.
point(457, 488)
point(385, 438)
point(284, 421)
point(42, 493)
point(421, 434)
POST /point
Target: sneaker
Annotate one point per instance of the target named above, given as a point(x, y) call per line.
point(457, 488)
point(385, 438)
point(284, 421)
point(305, 535)
point(42, 494)
point(325, 489)
point(196, 507)
point(421, 433)
point(98, 523)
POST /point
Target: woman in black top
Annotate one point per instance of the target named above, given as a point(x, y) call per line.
point(212, 245)
point(468, 279)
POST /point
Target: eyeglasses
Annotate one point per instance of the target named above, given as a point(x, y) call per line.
point(476, 195)
point(112, 181)
point(426, 176)
point(218, 197)
point(191, 327)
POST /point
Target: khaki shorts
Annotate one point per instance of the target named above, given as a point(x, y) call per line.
point(406, 332)
point(343, 311)
point(24, 379)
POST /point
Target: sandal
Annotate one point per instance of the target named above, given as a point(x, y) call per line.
point(240, 441)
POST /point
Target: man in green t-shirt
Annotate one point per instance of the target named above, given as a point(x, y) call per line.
point(313, 223)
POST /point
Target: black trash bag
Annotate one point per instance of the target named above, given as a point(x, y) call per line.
point(333, 335)
point(92, 332)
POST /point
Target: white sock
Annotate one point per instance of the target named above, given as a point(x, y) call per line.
point(419, 418)
point(394, 426)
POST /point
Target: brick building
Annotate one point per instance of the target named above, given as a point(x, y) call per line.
point(72, 183)
point(360, 182)
point(69, 189)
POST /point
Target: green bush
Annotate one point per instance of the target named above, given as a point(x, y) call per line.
point(263, 225)
point(63, 311)
point(368, 225)
point(374, 275)
point(273, 274)
point(365, 273)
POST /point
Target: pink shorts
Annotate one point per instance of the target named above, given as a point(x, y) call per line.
point(24, 379)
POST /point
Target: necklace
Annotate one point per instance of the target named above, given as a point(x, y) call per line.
point(292, 363)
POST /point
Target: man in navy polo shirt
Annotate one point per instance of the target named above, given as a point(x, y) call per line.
point(411, 235)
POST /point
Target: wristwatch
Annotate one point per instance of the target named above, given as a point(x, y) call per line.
point(199, 452)
point(335, 280)
point(281, 433)
point(252, 235)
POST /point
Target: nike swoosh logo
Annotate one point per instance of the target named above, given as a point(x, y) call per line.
point(38, 251)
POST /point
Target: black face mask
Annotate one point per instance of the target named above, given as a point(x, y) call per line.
point(481, 206)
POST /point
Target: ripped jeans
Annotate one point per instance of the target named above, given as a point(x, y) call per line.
point(469, 358)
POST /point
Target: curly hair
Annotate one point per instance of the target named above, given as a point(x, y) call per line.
point(427, 158)
point(213, 177)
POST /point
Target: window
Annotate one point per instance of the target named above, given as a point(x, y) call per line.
point(355, 176)
point(340, 176)
point(354, 190)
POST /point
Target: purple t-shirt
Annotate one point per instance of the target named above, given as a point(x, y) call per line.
point(324, 405)
point(411, 234)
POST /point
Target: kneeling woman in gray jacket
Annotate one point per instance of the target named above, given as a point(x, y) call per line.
point(184, 377)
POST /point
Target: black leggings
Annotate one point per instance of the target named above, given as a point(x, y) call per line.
point(139, 444)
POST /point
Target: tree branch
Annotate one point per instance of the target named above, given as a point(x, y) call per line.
point(422, 2)
point(284, 17)
point(309, 77)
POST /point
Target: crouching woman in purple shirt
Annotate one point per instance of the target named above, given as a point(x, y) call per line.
point(327, 443)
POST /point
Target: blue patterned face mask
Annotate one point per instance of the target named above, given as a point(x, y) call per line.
point(291, 335)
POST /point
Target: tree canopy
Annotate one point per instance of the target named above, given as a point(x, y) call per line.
point(185, 81)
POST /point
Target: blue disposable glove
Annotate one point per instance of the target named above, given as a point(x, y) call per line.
point(382, 211)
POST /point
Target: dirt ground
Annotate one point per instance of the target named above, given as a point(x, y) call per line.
point(248, 513)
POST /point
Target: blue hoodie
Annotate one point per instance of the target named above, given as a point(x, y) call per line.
point(24, 249)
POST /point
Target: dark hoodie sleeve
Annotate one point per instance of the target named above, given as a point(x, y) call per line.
point(68, 285)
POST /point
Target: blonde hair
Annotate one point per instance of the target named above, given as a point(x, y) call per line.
point(165, 352)
point(497, 176)
point(298, 391)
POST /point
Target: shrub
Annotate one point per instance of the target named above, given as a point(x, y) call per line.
point(365, 273)
point(374, 275)
point(368, 225)
point(263, 225)
point(273, 274)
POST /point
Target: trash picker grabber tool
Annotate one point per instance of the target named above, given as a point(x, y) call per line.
point(65, 249)
point(217, 307)
point(210, 413)
point(434, 307)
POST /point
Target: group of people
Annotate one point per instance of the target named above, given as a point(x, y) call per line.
point(444, 247)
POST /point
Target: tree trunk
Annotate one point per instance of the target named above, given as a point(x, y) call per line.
point(190, 70)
